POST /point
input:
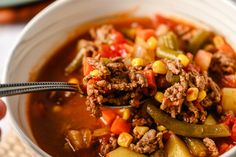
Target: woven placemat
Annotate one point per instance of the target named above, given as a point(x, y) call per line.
point(11, 146)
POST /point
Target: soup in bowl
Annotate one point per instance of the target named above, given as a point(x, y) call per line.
point(151, 84)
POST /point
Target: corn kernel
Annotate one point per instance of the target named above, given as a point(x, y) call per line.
point(137, 62)
point(218, 41)
point(125, 113)
point(94, 73)
point(159, 97)
point(192, 94)
point(161, 128)
point(140, 130)
point(73, 80)
point(124, 139)
point(152, 43)
point(201, 95)
point(183, 59)
point(159, 67)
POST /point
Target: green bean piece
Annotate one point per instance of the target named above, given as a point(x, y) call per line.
point(169, 41)
point(76, 62)
point(167, 53)
point(184, 128)
point(198, 39)
point(196, 147)
point(210, 120)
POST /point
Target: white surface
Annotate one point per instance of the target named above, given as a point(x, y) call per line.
point(51, 28)
point(8, 38)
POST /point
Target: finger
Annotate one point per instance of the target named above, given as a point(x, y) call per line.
point(2, 109)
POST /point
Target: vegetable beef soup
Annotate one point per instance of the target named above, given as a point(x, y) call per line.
point(177, 79)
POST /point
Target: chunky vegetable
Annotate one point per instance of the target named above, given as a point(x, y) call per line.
point(137, 62)
point(167, 53)
point(203, 59)
point(86, 67)
point(229, 99)
point(159, 97)
point(152, 43)
point(140, 130)
point(79, 139)
point(145, 33)
point(199, 38)
point(108, 115)
point(124, 139)
point(169, 41)
point(175, 147)
point(210, 120)
point(120, 125)
point(196, 147)
point(183, 128)
point(76, 62)
point(183, 59)
point(159, 67)
point(101, 132)
point(124, 152)
point(150, 78)
point(192, 94)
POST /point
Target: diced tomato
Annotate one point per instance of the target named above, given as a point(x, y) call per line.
point(163, 20)
point(150, 78)
point(233, 132)
point(229, 81)
point(86, 67)
point(224, 147)
point(227, 49)
point(120, 125)
point(118, 38)
point(108, 116)
point(114, 50)
point(230, 121)
point(145, 33)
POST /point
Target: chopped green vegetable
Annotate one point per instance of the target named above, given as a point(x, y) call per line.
point(124, 152)
point(183, 128)
point(169, 41)
point(76, 62)
point(175, 147)
point(196, 146)
point(198, 39)
point(167, 53)
point(210, 120)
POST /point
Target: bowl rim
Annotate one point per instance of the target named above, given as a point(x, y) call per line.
point(22, 135)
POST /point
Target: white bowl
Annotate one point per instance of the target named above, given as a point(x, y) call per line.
point(51, 28)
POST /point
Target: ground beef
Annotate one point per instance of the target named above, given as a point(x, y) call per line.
point(210, 144)
point(90, 49)
point(107, 145)
point(117, 84)
point(102, 34)
point(174, 101)
point(148, 143)
point(221, 64)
